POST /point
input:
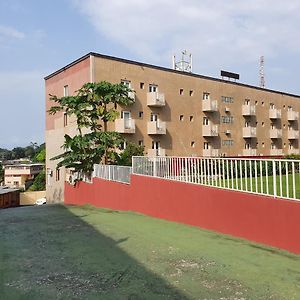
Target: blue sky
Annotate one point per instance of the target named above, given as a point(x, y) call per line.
point(38, 37)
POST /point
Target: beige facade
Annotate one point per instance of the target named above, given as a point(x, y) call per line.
point(178, 113)
point(18, 175)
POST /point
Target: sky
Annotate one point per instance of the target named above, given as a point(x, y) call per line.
point(38, 37)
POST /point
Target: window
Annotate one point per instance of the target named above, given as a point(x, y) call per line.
point(126, 83)
point(141, 114)
point(191, 118)
point(205, 96)
point(263, 124)
point(247, 101)
point(125, 115)
point(247, 146)
point(273, 146)
point(57, 174)
point(66, 91)
point(206, 145)
point(226, 99)
point(227, 143)
point(155, 145)
point(227, 119)
point(141, 143)
point(272, 106)
point(205, 121)
point(256, 102)
point(263, 144)
point(290, 108)
point(193, 144)
point(181, 92)
point(153, 88)
point(191, 93)
point(272, 126)
point(247, 124)
point(65, 119)
point(142, 85)
point(181, 118)
point(153, 117)
point(123, 145)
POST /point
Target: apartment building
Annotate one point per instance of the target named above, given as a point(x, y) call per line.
point(177, 113)
point(21, 175)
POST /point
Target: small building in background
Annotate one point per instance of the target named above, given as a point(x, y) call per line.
point(9, 197)
point(21, 176)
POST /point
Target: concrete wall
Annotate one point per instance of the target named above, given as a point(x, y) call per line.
point(74, 78)
point(29, 198)
point(262, 219)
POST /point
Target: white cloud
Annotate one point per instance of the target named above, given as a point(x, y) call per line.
point(219, 33)
point(11, 33)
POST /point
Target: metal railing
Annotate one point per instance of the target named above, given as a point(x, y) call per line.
point(276, 177)
point(113, 172)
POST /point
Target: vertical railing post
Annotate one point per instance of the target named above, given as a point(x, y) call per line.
point(274, 178)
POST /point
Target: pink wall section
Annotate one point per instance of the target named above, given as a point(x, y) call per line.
point(270, 221)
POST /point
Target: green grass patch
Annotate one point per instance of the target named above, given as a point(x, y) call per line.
point(57, 252)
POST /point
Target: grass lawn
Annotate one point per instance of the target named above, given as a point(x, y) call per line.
point(57, 252)
point(264, 184)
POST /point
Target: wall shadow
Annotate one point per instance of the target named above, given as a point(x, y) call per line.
point(54, 254)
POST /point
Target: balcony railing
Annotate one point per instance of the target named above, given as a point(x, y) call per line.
point(293, 134)
point(210, 130)
point(249, 152)
point(275, 133)
point(293, 151)
point(292, 115)
point(276, 151)
point(249, 132)
point(274, 113)
point(156, 152)
point(156, 127)
point(248, 110)
point(125, 125)
point(209, 105)
point(210, 152)
point(156, 99)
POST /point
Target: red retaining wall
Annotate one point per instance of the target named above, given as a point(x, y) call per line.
point(267, 220)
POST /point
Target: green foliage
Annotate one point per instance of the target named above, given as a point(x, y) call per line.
point(39, 183)
point(293, 156)
point(125, 158)
point(93, 106)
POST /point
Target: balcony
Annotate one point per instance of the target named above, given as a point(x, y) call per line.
point(156, 127)
point(274, 113)
point(131, 95)
point(275, 133)
point(293, 151)
point(156, 99)
point(210, 152)
point(249, 132)
point(156, 152)
point(293, 134)
point(276, 152)
point(249, 152)
point(209, 105)
point(248, 110)
point(125, 125)
point(210, 130)
point(292, 115)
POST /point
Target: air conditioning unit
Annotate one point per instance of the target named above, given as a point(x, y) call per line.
point(227, 109)
point(227, 132)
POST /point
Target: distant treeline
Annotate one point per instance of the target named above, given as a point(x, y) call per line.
point(30, 152)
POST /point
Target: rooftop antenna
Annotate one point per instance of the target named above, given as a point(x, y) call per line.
point(185, 64)
point(262, 82)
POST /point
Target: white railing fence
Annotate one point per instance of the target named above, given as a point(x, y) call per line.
point(113, 173)
point(276, 177)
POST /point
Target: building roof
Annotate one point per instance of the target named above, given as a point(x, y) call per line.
point(5, 190)
point(24, 165)
point(165, 70)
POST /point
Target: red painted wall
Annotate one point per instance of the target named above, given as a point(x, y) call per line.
point(270, 221)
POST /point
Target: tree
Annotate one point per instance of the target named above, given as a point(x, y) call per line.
point(39, 183)
point(18, 152)
point(1, 173)
point(125, 157)
point(93, 106)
